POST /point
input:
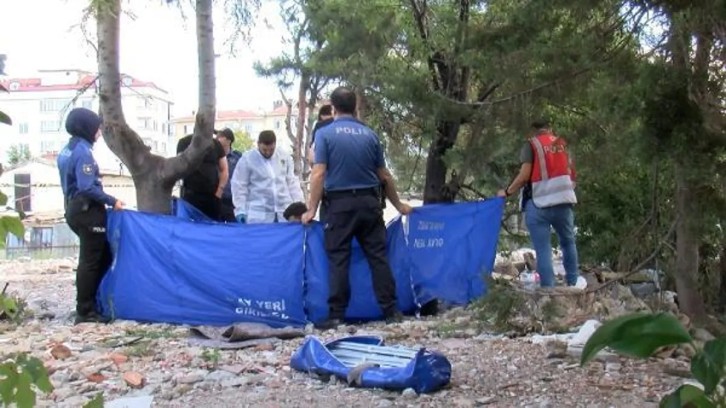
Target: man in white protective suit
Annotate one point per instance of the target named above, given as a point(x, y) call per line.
point(264, 183)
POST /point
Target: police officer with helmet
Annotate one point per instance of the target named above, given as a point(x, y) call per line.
point(349, 168)
point(85, 209)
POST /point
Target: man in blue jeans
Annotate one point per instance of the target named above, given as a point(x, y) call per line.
point(547, 199)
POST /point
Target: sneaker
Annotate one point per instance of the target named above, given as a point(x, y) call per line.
point(92, 317)
point(328, 324)
point(395, 317)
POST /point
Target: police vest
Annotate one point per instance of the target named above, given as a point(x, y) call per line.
point(552, 175)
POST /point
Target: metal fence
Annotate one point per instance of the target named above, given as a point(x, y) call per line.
point(42, 252)
point(42, 242)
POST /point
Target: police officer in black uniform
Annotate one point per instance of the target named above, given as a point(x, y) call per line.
point(85, 209)
point(349, 166)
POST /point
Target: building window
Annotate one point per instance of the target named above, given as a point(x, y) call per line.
point(87, 103)
point(47, 146)
point(163, 147)
point(53, 105)
point(186, 130)
point(248, 129)
point(277, 124)
point(164, 129)
point(50, 126)
point(23, 128)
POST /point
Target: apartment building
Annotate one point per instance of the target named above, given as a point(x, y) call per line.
point(38, 107)
point(243, 120)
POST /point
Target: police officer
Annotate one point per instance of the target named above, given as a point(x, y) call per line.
point(547, 180)
point(349, 166)
point(85, 209)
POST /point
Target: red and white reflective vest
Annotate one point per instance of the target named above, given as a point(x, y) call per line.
point(552, 176)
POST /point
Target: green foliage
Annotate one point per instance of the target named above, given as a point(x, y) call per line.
point(4, 118)
point(501, 303)
point(637, 335)
point(8, 224)
point(8, 307)
point(242, 141)
point(18, 153)
point(687, 396)
point(708, 367)
point(212, 356)
point(640, 335)
point(96, 402)
point(20, 378)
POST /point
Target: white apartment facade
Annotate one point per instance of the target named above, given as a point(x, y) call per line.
point(38, 107)
point(251, 122)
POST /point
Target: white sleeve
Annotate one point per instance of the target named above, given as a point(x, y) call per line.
point(240, 185)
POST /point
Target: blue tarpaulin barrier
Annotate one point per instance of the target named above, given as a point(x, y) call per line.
point(452, 248)
point(186, 269)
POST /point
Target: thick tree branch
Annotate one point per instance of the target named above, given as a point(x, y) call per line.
point(123, 141)
point(419, 15)
point(176, 167)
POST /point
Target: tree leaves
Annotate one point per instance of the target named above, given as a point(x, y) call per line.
point(637, 335)
point(3, 199)
point(24, 395)
point(686, 396)
point(19, 377)
point(12, 225)
point(708, 366)
point(8, 307)
point(4, 118)
point(96, 402)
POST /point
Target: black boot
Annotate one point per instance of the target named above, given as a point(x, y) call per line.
point(394, 317)
point(91, 317)
point(328, 324)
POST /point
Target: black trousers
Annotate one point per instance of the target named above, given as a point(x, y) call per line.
point(359, 216)
point(209, 204)
point(227, 210)
point(88, 222)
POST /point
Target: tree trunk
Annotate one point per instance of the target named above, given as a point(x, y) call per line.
point(361, 104)
point(722, 267)
point(298, 153)
point(153, 176)
point(687, 243)
point(451, 79)
point(687, 209)
point(436, 169)
point(288, 119)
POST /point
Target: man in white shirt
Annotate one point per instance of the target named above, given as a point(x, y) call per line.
point(264, 183)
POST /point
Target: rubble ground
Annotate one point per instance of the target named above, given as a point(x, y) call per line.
point(128, 359)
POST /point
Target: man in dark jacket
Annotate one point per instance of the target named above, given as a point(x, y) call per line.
point(204, 188)
point(85, 205)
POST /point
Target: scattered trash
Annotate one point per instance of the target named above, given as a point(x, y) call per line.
point(581, 283)
point(529, 279)
point(584, 333)
point(131, 402)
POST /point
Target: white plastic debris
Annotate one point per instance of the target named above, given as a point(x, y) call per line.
point(584, 334)
point(131, 402)
point(581, 283)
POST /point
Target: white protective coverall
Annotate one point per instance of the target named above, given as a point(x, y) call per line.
point(263, 188)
